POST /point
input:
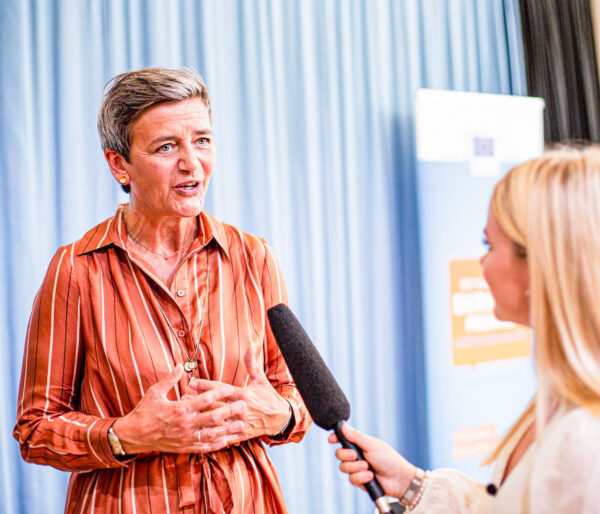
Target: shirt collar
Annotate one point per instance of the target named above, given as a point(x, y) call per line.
point(112, 232)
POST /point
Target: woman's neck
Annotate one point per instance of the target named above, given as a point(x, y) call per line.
point(166, 237)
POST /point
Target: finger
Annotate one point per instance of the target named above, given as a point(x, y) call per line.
point(211, 435)
point(217, 405)
point(219, 444)
point(346, 454)
point(356, 437)
point(356, 466)
point(216, 417)
point(214, 398)
point(361, 478)
point(212, 439)
point(209, 406)
point(224, 391)
point(251, 360)
point(333, 439)
point(163, 386)
point(201, 384)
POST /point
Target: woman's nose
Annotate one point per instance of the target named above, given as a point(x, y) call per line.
point(189, 160)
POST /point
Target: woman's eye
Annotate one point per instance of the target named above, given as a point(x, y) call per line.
point(165, 148)
point(485, 242)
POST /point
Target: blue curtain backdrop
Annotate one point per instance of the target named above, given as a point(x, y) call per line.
point(313, 115)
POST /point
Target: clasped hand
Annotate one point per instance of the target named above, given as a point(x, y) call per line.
point(215, 416)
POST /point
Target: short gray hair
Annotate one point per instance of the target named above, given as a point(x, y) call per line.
point(128, 95)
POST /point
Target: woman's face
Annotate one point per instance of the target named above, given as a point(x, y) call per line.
point(171, 159)
point(506, 274)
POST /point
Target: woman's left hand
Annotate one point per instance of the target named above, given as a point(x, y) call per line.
point(266, 410)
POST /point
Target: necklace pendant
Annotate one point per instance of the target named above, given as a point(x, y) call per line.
point(190, 366)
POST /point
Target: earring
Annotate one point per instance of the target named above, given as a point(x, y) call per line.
point(123, 180)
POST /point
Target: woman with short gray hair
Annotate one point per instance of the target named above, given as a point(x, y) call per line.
point(150, 371)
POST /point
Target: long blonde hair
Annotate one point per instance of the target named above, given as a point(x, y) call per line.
point(550, 209)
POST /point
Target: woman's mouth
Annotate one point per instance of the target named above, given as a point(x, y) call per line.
point(188, 188)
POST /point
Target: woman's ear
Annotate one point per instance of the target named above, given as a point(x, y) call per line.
point(118, 166)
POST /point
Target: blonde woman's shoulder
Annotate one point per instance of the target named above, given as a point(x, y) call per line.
point(565, 475)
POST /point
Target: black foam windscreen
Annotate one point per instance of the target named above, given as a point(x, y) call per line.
point(322, 395)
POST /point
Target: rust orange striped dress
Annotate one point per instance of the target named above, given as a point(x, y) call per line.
point(98, 339)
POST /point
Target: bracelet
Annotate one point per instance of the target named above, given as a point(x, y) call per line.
point(287, 423)
point(420, 493)
point(115, 445)
point(415, 489)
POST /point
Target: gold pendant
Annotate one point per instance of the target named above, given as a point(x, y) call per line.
point(190, 366)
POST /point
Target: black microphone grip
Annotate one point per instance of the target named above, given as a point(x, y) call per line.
point(373, 488)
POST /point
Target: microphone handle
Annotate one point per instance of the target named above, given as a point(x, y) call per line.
point(373, 488)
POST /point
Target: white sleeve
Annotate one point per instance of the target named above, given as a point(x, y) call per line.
point(566, 473)
point(448, 491)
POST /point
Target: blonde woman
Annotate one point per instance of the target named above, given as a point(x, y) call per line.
point(543, 269)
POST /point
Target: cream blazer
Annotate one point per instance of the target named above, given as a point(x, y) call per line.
point(559, 474)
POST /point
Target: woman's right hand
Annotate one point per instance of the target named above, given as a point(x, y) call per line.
point(394, 472)
point(184, 426)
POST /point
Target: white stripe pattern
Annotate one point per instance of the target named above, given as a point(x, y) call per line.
point(72, 421)
point(105, 233)
point(25, 366)
point(135, 364)
point(151, 319)
point(103, 338)
point(90, 445)
point(241, 479)
point(48, 447)
point(221, 316)
point(121, 478)
point(258, 477)
point(93, 500)
point(78, 341)
point(132, 488)
point(200, 314)
point(165, 489)
point(95, 399)
point(86, 495)
point(256, 287)
point(52, 334)
point(277, 273)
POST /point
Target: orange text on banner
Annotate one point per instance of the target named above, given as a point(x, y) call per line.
point(477, 336)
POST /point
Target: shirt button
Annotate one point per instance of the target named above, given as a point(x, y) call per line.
point(181, 333)
point(180, 292)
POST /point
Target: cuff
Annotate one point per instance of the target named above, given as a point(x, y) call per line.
point(97, 442)
point(284, 435)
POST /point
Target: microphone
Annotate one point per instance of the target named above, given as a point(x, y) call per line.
point(322, 395)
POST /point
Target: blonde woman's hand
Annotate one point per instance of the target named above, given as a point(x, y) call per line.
point(393, 472)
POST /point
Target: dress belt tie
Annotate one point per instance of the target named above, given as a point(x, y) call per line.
point(215, 491)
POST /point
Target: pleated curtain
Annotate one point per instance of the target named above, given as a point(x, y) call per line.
point(313, 114)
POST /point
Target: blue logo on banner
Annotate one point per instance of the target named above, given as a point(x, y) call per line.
point(483, 147)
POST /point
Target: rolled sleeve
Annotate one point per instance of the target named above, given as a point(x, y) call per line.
point(277, 372)
point(49, 428)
